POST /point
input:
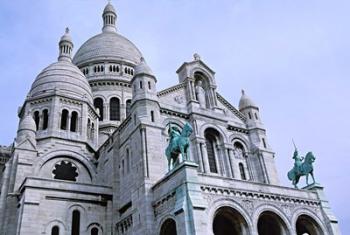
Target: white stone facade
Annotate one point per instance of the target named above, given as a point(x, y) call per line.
point(89, 157)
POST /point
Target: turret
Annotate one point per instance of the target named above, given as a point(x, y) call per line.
point(109, 19)
point(66, 47)
point(265, 170)
point(250, 110)
point(26, 130)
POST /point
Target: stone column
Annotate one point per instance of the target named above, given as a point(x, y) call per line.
point(231, 162)
point(69, 117)
point(205, 158)
point(200, 156)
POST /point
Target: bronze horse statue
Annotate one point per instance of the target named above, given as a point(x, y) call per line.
point(303, 169)
point(178, 144)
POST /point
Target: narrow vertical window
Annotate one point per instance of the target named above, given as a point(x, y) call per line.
point(55, 230)
point(128, 105)
point(98, 103)
point(256, 116)
point(152, 116)
point(89, 128)
point(74, 122)
point(149, 85)
point(94, 231)
point(114, 109)
point(36, 119)
point(140, 84)
point(210, 143)
point(76, 223)
point(127, 161)
point(250, 115)
point(241, 170)
point(45, 119)
point(264, 143)
point(64, 119)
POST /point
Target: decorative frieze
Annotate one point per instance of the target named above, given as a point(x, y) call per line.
point(167, 203)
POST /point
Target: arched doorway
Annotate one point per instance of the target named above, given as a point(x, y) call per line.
point(306, 225)
point(168, 227)
point(270, 223)
point(228, 221)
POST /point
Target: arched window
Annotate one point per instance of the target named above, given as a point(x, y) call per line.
point(140, 84)
point(168, 227)
point(250, 115)
point(98, 103)
point(92, 131)
point(149, 85)
point(94, 231)
point(210, 142)
point(55, 230)
point(65, 170)
point(37, 119)
point(241, 170)
point(238, 150)
point(152, 116)
point(64, 119)
point(114, 109)
point(76, 222)
point(128, 105)
point(45, 119)
point(74, 122)
point(89, 129)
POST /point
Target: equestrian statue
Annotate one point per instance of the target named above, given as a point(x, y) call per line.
point(178, 144)
point(302, 167)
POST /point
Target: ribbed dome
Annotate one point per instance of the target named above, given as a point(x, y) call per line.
point(108, 46)
point(27, 123)
point(62, 76)
point(245, 101)
point(109, 8)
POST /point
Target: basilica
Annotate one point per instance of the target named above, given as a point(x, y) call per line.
point(90, 153)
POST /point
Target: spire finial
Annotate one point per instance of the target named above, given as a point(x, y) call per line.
point(243, 92)
point(196, 56)
point(66, 47)
point(109, 18)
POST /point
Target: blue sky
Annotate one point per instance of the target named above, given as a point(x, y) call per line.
point(291, 56)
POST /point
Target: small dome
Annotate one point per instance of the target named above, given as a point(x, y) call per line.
point(109, 9)
point(66, 37)
point(245, 102)
point(27, 123)
point(107, 46)
point(143, 68)
point(62, 76)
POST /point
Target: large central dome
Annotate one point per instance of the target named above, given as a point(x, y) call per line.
point(108, 46)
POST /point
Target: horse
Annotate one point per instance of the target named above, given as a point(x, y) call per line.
point(178, 144)
point(305, 168)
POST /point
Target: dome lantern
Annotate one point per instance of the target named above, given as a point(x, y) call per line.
point(109, 19)
point(66, 47)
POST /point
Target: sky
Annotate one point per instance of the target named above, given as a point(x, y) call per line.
point(290, 56)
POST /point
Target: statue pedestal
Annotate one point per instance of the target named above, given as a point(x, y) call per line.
point(318, 189)
point(188, 203)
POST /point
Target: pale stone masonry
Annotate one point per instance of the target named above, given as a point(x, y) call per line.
point(89, 154)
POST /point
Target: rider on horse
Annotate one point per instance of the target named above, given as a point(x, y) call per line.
point(298, 160)
point(173, 132)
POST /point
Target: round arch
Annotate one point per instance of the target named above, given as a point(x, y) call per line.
point(168, 227)
point(229, 221)
point(74, 156)
point(304, 219)
point(233, 205)
point(204, 73)
point(271, 217)
point(48, 227)
point(206, 126)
